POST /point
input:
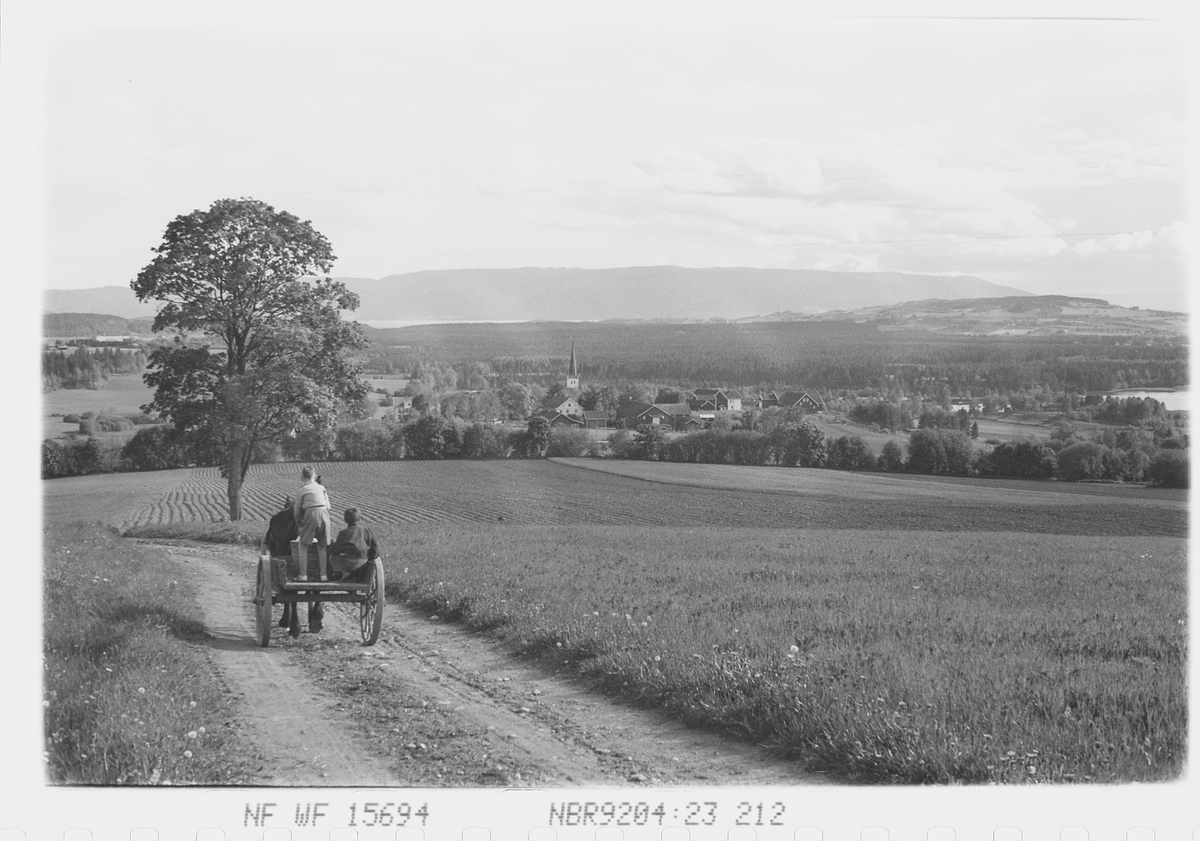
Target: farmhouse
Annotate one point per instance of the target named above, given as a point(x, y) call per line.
point(633, 414)
point(719, 400)
point(568, 406)
point(595, 420)
point(808, 400)
point(560, 419)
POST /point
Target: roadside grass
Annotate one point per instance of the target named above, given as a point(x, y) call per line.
point(903, 657)
point(244, 532)
point(129, 698)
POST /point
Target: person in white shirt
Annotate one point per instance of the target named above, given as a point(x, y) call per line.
point(311, 510)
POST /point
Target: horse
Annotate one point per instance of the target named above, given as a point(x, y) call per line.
point(281, 531)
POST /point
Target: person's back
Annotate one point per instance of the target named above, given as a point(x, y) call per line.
point(355, 546)
point(312, 495)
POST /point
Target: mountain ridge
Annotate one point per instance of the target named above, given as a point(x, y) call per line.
point(1011, 315)
point(574, 294)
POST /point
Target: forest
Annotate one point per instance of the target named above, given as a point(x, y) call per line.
point(85, 367)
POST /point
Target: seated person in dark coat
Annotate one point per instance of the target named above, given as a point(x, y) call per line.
point(353, 550)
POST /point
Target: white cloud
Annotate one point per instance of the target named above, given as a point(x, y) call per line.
point(1172, 236)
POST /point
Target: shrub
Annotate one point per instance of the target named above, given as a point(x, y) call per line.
point(798, 444)
point(882, 414)
point(157, 448)
point(939, 452)
point(850, 453)
point(76, 459)
point(1169, 469)
point(620, 443)
point(649, 443)
point(482, 440)
point(891, 457)
point(104, 423)
point(1020, 460)
point(1082, 461)
point(370, 440)
point(570, 442)
point(56, 461)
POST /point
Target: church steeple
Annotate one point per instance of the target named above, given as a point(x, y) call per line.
point(573, 371)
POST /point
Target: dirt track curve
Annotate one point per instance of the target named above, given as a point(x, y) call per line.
point(432, 704)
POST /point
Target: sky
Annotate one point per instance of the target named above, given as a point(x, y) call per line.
point(1043, 154)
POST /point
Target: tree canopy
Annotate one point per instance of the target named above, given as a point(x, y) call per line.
point(253, 282)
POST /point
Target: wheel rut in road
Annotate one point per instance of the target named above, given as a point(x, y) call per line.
point(434, 704)
point(297, 742)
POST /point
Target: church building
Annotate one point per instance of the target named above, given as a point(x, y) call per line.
point(573, 372)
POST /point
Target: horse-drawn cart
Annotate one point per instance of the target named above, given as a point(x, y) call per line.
point(278, 583)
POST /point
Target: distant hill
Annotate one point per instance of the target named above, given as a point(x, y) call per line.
point(1040, 315)
point(69, 325)
point(668, 293)
point(102, 300)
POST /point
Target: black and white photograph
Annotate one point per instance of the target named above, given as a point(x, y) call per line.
point(641, 400)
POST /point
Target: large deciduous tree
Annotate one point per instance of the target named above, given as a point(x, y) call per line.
point(254, 283)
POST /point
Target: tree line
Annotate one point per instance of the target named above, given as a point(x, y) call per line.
point(88, 368)
point(782, 440)
point(1123, 456)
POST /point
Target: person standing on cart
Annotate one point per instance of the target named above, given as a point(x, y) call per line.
point(311, 510)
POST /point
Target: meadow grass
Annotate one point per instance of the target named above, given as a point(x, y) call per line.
point(885, 657)
point(123, 394)
point(899, 642)
point(129, 697)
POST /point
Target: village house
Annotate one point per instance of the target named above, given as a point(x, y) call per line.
point(560, 405)
point(633, 414)
point(560, 419)
point(716, 400)
point(810, 401)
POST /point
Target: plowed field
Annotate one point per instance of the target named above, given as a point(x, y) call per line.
point(654, 494)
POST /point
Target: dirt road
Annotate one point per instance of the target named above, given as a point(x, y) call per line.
point(432, 704)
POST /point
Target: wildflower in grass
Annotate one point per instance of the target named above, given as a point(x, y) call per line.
point(187, 754)
point(794, 649)
point(201, 731)
point(141, 690)
point(192, 734)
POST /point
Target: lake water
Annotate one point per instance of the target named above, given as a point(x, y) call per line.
point(1175, 401)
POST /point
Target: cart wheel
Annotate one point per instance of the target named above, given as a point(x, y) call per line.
point(370, 609)
point(262, 605)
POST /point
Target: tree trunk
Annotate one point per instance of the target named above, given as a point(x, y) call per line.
point(235, 475)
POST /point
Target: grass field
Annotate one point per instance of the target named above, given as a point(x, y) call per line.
point(887, 656)
point(123, 395)
point(128, 696)
point(881, 628)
